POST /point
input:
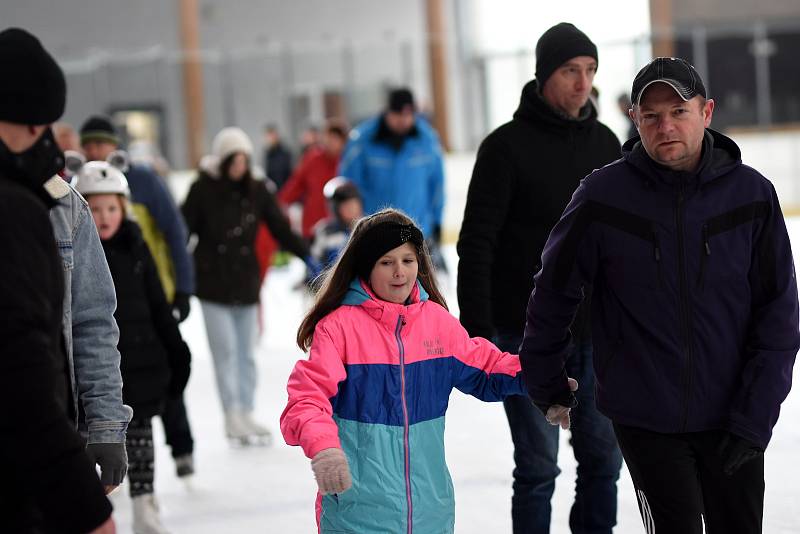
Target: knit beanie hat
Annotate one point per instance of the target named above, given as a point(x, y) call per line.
point(230, 140)
point(99, 128)
point(558, 45)
point(382, 238)
point(399, 99)
point(33, 90)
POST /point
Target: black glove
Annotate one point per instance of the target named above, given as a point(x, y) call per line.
point(181, 368)
point(737, 451)
point(180, 306)
point(112, 459)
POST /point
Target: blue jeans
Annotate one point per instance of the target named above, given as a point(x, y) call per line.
point(231, 334)
point(536, 452)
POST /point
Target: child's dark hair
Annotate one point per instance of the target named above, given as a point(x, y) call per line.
point(336, 281)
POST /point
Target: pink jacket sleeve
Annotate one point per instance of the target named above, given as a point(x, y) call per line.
point(308, 418)
point(481, 369)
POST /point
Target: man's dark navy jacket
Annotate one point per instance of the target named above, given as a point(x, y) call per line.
point(694, 297)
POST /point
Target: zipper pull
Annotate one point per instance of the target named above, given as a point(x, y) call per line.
point(656, 247)
point(706, 246)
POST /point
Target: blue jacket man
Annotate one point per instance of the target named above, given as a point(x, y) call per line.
point(694, 309)
point(395, 159)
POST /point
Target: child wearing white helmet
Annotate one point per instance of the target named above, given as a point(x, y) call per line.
point(154, 358)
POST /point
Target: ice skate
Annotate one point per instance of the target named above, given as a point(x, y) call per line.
point(146, 519)
point(236, 429)
point(260, 435)
point(184, 465)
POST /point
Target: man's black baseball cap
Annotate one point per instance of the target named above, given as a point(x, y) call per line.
point(674, 71)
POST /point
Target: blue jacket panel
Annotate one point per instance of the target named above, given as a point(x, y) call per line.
point(694, 297)
point(410, 178)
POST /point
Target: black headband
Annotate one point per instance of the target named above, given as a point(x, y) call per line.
point(382, 238)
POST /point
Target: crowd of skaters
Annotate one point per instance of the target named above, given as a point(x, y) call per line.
point(550, 266)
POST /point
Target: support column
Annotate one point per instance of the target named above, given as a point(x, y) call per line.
point(189, 16)
point(437, 38)
point(661, 25)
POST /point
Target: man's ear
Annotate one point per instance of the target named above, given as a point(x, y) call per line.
point(708, 111)
point(632, 115)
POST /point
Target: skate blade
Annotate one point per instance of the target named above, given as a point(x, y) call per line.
point(250, 441)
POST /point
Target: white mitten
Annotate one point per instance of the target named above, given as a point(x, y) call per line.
point(331, 471)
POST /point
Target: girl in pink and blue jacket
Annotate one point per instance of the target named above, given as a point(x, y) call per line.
point(368, 405)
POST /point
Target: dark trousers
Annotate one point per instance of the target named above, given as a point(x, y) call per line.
point(536, 455)
point(680, 484)
point(176, 427)
point(141, 456)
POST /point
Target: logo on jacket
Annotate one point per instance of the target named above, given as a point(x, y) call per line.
point(433, 347)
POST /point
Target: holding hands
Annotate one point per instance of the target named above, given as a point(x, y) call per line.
point(559, 415)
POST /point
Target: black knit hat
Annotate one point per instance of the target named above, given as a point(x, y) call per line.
point(382, 238)
point(99, 128)
point(399, 99)
point(558, 45)
point(33, 90)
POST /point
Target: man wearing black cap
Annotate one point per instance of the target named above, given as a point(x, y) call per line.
point(695, 311)
point(395, 160)
point(524, 176)
point(49, 484)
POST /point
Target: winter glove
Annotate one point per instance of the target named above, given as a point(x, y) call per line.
point(180, 368)
point(331, 471)
point(180, 306)
point(558, 414)
point(737, 451)
point(112, 459)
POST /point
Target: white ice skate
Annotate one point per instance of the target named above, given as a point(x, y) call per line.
point(261, 434)
point(146, 519)
point(236, 429)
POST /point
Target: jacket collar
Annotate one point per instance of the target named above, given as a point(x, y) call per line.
point(720, 156)
point(533, 107)
point(388, 313)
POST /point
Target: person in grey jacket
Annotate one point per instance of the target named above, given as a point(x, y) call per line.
point(90, 338)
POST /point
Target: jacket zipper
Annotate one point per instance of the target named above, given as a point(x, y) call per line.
point(406, 449)
point(683, 302)
point(704, 258)
point(657, 255)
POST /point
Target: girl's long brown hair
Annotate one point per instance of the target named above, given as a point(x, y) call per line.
point(337, 280)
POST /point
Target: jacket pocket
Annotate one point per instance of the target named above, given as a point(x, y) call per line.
point(633, 247)
point(66, 252)
point(720, 224)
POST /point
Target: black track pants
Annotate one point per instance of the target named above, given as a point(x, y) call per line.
point(679, 483)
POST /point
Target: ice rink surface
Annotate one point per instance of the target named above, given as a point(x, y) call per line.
point(271, 490)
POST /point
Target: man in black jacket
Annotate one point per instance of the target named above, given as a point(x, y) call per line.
point(49, 484)
point(524, 176)
point(694, 310)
